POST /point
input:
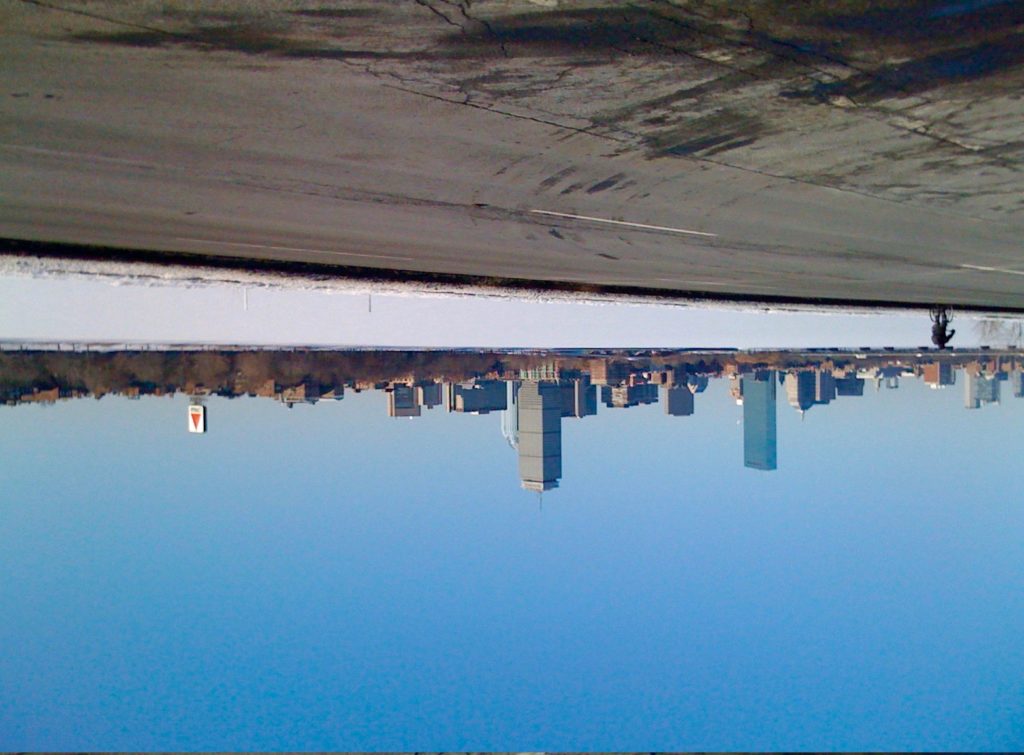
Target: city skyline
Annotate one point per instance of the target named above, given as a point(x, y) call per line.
point(533, 394)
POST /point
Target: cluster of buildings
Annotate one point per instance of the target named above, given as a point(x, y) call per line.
point(982, 381)
point(533, 401)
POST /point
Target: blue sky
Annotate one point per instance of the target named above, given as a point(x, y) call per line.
point(330, 578)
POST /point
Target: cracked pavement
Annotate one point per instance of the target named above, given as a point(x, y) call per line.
point(871, 151)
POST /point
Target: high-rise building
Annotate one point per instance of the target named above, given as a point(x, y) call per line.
point(677, 400)
point(824, 387)
point(402, 401)
point(540, 435)
point(799, 390)
point(760, 443)
point(428, 394)
point(579, 397)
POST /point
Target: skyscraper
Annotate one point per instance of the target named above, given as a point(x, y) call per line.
point(579, 397)
point(428, 394)
point(800, 390)
point(824, 387)
point(402, 401)
point(540, 435)
point(759, 431)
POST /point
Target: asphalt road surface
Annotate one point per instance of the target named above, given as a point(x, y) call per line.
point(595, 143)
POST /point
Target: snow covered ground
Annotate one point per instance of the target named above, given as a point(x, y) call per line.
point(46, 301)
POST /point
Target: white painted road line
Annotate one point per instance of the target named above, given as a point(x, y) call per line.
point(64, 154)
point(984, 269)
point(295, 249)
point(623, 223)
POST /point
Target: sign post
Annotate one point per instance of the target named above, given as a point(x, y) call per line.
point(196, 418)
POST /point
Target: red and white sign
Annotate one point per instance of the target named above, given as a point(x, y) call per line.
point(197, 418)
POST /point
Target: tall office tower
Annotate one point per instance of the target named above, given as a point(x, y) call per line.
point(566, 397)
point(579, 397)
point(402, 401)
point(760, 442)
point(824, 387)
point(584, 398)
point(799, 390)
point(540, 435)
point(678, 400)
point(428, 394)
